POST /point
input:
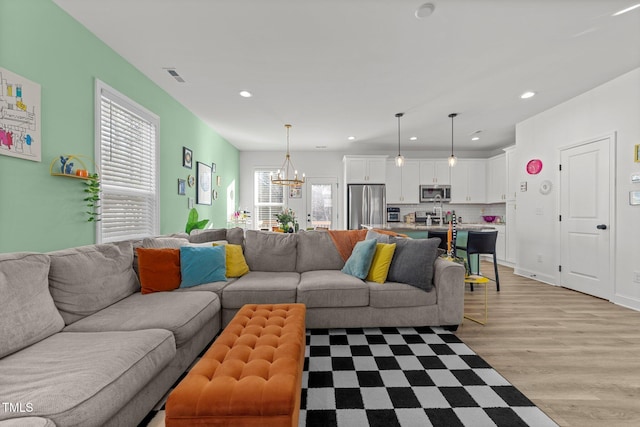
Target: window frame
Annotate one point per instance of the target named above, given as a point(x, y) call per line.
point(125, 102)
point(257, 204)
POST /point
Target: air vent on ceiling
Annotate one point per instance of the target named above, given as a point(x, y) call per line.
point(175, 75)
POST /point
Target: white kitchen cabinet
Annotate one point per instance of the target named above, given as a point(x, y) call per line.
point(365, 169)
point(511, 167)
point(510, 233)
point(403, 183)
point(496, 179)
point(501, 242)
point(434, 172)
point(468, 181)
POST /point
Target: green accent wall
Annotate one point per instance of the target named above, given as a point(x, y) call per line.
point(40, 212)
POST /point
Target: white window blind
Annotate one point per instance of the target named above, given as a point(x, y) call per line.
point(127, 145)
point(269, 199)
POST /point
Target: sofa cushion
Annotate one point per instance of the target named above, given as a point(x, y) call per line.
point(28, 422)
point(332, 288)
point(261, 287)
point(413, 262)
point(267, 251)
point(80, 379)
point(393, 294)
point(86, 279)
point(164, 242)
point(184, 314)
point(316, 251)
point(200, 265)
point(28, 312)
point(215, 287)
point(210, 235)
point(359, 262)
point(235, 236)
point(159, 269)
point(381, 262)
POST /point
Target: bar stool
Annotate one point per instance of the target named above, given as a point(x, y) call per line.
point(442, 235)
point(483, 242)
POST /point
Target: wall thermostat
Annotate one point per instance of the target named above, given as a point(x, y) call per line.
point(523, 186)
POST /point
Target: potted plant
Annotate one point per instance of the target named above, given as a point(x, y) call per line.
point(287, 221)
point(93, 196)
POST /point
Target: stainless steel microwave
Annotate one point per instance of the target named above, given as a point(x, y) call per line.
point(429, 193)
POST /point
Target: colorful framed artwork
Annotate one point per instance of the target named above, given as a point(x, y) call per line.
point(182, 187)
point(19, 117)
point(203, 184)
point(187, 157)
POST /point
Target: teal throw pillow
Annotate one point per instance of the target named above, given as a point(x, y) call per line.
point(200, 265)
point(359, 262)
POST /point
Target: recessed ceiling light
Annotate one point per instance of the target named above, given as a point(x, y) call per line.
point(425, 10)
point(413, 138)
point(351, 138)
point(475, 138)
point(245, 94)
point(527, 95)
point(629, 9)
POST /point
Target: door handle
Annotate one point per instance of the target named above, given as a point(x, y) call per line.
point(601, 226)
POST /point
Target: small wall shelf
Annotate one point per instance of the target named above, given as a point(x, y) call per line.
point(71, 166)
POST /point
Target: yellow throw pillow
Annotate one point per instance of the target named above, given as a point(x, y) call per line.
point(381, 262)
point(236, 264)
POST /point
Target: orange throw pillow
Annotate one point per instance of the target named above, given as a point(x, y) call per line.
point(159, 269)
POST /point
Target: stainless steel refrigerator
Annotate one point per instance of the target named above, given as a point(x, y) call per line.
point(366, 204)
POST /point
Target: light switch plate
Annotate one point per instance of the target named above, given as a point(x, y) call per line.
point(523, 186)
point(190, 202)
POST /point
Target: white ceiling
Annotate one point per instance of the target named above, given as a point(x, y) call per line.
point(339, 68)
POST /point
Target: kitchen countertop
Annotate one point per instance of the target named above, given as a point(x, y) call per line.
point(403, 226)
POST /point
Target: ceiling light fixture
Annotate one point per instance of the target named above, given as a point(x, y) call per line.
point(475, 138)
point(425, 10)
point(527, 95)
point(629, 9)
point(245, 94)
point(413, 138)
point(287, 174)
point(399, 157)
point(351, 138)
point(453, 159)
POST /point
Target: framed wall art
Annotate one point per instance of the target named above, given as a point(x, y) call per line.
point(636, 153)
point(19, 117)
point(295, 192)
point(213, 168)
point(203, 184)
point(187, 157)
point(182, 187)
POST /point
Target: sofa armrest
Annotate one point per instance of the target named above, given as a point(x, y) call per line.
point(448, 278)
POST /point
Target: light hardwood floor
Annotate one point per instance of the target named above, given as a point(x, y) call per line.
point(575, 356)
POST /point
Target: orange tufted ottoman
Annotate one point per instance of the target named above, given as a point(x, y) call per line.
point(250, 376)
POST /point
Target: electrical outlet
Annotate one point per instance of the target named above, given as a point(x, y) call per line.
point(636, 276)
point(539, 258)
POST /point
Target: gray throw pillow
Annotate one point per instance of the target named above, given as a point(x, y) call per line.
point(413, 261)
point(381, 238)
point(209, 235)
point(28, 312)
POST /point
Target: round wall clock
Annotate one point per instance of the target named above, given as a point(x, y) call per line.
point(534, 166)
point(191, 180)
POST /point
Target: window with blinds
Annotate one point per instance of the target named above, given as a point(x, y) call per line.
point(269, 199)
point(127, 158)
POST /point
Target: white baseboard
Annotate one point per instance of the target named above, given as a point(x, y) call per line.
point(631, 303)
point(550, 280)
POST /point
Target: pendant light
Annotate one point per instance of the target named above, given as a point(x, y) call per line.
point(399, 157)
point(452, 160)
point(287, 174)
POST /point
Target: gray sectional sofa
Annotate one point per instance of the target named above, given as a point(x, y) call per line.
point(81, 346)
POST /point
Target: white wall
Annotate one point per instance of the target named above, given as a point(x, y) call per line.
point(325, 164)
point(612, 107)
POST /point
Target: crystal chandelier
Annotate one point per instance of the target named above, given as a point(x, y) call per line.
point(287, 174)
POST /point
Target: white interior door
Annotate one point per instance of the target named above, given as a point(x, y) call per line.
point(586, 198)
point(322, 206)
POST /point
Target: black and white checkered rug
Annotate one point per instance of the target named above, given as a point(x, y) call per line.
point(406, 377)
point(401, 377)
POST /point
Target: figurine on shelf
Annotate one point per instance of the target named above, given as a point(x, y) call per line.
point(63, 161)
point(68, 168)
